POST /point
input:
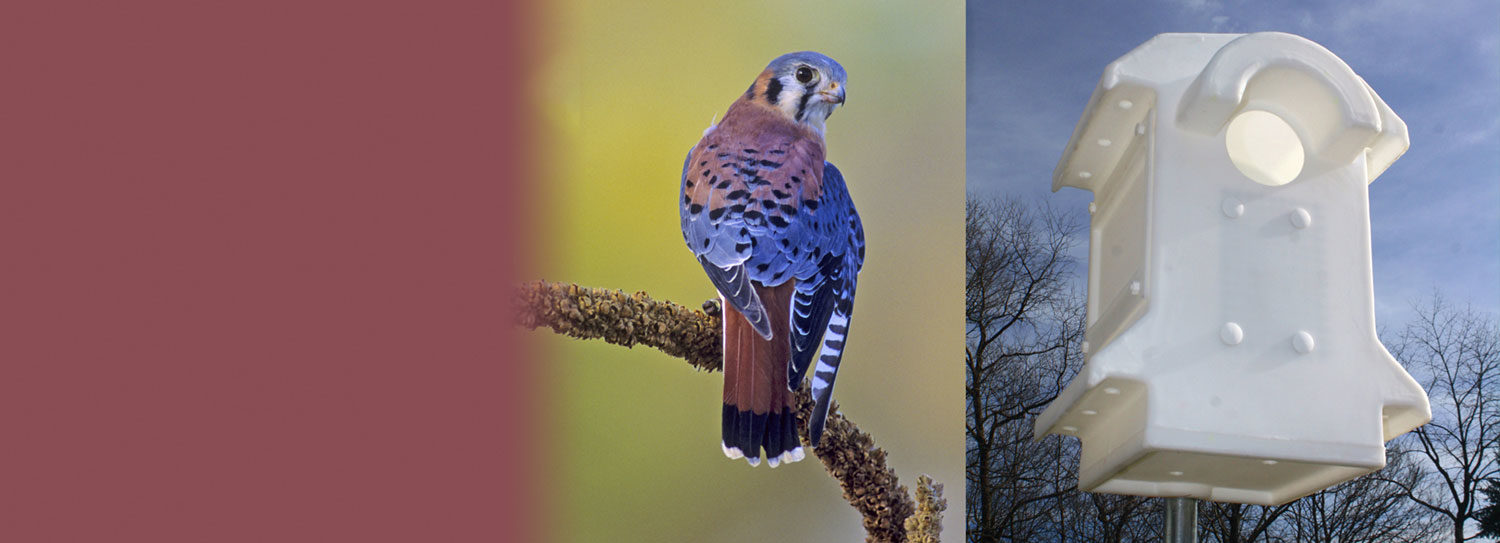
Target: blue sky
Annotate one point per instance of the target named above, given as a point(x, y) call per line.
point(1435, 214)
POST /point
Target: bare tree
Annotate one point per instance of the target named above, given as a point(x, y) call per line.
point(1239, 523)
point(1455, 353)
point(1024, 322)
point(1126, 518)
point(1370, 508)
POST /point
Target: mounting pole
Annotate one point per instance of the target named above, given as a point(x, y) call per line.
point(1181, 516)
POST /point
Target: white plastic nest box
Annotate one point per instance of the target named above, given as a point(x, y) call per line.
point(1232, 353)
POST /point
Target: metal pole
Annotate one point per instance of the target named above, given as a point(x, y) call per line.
point(1181, 520)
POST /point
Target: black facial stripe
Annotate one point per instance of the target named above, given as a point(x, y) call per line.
point(773, 90)
point(807, 94)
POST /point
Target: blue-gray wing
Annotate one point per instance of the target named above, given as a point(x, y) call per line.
point(824, 298)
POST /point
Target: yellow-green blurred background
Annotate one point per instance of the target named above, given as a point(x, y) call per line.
point(627, 88)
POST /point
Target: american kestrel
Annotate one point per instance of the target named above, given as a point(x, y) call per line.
point(773, 226)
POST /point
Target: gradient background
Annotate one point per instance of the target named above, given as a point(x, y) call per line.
point(633, 435)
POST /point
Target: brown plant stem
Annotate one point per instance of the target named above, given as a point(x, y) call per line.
point(848, 454)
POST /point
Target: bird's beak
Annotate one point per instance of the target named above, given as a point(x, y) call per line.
point(834, 94)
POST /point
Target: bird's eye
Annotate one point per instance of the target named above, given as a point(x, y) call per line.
point(804, 74)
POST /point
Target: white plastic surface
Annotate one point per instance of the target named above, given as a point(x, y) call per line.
point(1233, 353)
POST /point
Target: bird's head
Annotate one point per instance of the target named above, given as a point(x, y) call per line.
point(804, 86)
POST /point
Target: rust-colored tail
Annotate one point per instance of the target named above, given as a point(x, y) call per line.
point(757, 403)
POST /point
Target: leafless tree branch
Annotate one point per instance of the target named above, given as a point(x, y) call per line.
point(847, 453)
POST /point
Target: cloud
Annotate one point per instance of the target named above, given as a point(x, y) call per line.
point(1199, 5)
point(1033, 66)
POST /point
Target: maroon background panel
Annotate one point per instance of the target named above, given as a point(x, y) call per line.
point(254, 260)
